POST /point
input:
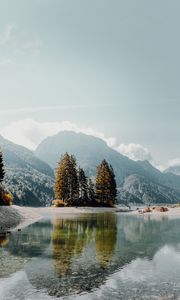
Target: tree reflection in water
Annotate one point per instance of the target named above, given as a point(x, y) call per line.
point(77, 253)
point(71, 237)
point(3, 240)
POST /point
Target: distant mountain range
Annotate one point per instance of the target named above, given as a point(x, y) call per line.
point(174, 170)
point(30, 175)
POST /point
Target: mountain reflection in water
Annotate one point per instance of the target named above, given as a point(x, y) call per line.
point(79, 253)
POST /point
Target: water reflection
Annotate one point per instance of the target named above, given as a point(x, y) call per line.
point(32, 241)
point(3, 240)
point(77, 254)
point(71, 237)
point(105, 239)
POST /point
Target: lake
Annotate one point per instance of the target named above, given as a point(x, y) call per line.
point(92, 256)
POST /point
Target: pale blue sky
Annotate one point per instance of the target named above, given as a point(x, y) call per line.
point(112, 65)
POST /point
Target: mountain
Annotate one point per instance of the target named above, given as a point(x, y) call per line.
point(174, 170)
point(28, 178)
point(89, 151)
point(167, 179)
point(30, 175)
point(140, 190)
point(147, 182)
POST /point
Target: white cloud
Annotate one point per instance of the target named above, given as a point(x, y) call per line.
point(174, 162)
point(135, 151)
point(171, 163)
point(30, 133)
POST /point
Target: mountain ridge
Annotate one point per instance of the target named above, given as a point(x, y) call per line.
point(28, 178)
point(30, 175)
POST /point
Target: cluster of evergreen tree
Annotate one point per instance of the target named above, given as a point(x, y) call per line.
point(6, 198)
point(2, 172)
point(73, 188)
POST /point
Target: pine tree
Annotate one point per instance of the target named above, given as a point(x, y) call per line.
point(113, 185)
point(105, 185)
point(66, 183)
point(2, 172)
point(83, 186)
point(91, 193)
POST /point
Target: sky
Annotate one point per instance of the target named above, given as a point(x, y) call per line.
point(108, 67)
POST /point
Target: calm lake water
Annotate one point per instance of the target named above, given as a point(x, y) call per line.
point(92, 256)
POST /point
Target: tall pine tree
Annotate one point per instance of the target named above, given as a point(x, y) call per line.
point(83, 187)
point(105, 185)
point(66, 183)
point(2, 172)
point(113, 190)
point(91, 193)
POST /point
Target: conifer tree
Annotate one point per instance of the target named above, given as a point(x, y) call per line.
point(83, 186)
point(105, 185)
point(2, 172)
point(113, 185)
point(91, 193)
point(66, 183)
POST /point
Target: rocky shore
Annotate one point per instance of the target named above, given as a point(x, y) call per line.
point(9, 218)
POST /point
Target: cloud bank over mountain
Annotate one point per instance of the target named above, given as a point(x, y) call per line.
point(31, 133)
point(135, 151)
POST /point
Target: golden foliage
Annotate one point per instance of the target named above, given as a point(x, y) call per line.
point(105, 185)
point(58, 203)
point(66, 183)
point(105, 239)
point(6, 198)
point(71, 238)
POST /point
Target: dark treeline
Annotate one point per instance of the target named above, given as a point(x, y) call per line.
point(73, 188)
point(5, 197)
point(2, 172)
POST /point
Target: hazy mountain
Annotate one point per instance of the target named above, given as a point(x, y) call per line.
point(141, 190)
point(174, 170)
point(89, 152)
point(29, 179)
point(167, 179)
point(147, 182)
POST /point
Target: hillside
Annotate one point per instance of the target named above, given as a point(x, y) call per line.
point(90, 150)
point(30, 176)
point(29, 179)
point(174, 170)
point(140, 190)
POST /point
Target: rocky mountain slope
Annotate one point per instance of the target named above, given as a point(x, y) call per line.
point(29, 179)
point(141, 190)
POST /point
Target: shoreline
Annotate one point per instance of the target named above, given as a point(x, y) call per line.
point(15, 217)
point(18, 217)
point(171, 213)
